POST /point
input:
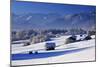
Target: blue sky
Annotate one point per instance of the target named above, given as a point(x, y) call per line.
point(36, 7)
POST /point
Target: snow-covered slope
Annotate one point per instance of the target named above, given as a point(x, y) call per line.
point(74, 52)
point(38, 46)
point(60, 43)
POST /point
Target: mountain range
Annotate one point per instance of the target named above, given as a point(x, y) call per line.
point(53, 21)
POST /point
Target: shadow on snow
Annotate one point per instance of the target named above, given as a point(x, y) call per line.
point(45, 55)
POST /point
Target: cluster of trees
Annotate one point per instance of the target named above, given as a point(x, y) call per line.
point(77, 31)
point(92, 32)
point(55, 31)
point(22, 35)
point(27, 34)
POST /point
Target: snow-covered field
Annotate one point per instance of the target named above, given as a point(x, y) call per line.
point(73, 52)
